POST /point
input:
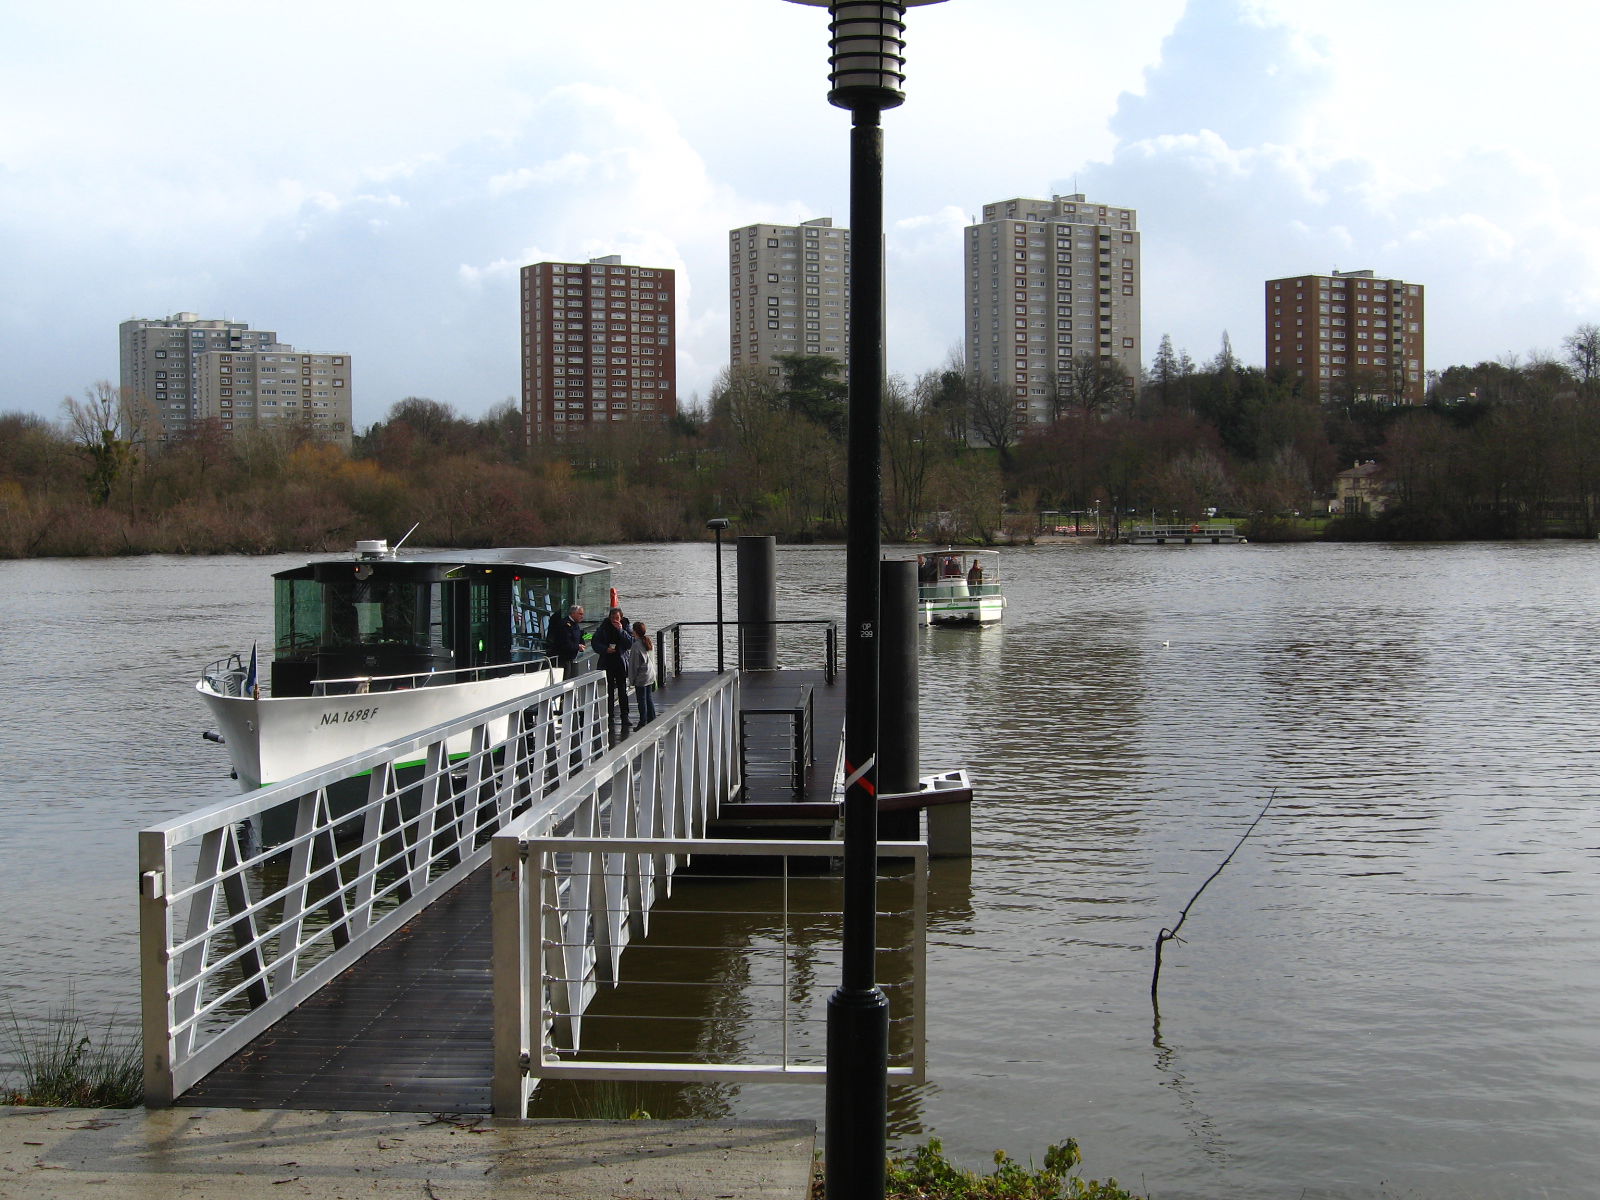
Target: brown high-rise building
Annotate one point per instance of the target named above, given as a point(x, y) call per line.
point(1348, 332)
point(598, 344)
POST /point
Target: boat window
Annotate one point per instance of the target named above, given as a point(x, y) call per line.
point(369, 613)
point(297, 615)
point(594, 593)
point(534, 600)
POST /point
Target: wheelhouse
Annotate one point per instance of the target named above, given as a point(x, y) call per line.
point(382, 615)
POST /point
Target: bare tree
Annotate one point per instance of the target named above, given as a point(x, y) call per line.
point(1097, 384)
point(910, 447)
point(992, 417)
point(1583, 354)
point(96, 426)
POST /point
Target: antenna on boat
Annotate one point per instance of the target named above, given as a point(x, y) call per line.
point(402, 541)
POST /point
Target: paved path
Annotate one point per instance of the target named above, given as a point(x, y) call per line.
point(265, 1154)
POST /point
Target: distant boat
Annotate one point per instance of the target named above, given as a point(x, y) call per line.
point(1184, 535)
point(960, 587)
point(372, 648)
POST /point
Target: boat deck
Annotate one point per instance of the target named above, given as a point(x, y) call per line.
point(408, 1028)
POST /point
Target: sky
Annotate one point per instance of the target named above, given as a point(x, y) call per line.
point(368, 178)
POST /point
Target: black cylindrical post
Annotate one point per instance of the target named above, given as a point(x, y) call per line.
point(899, 736)
point(857, 1105)
point(867, 73)
point(757, 572)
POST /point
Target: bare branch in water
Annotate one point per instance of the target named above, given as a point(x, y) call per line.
point(1171, 935)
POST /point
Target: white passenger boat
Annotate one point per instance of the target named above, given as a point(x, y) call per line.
point(959, 587)
point(375, 647)
point(1208, 534)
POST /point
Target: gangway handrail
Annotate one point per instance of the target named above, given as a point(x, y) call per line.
point(233, 936)
point(566, 906)
point(224, 952)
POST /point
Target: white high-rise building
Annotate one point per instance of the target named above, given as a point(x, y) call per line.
point(273, 386)
point(184, 369)
point(788, 292)
point(1048, 281)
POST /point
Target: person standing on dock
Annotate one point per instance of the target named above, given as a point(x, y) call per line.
point(642, 673)
point(611, 643)
point(564, 642)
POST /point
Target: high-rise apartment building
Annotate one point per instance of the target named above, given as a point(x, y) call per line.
point(598, 341)
point(1048, 281)
point(184, 369)
point(1349, 330)
point(273, 386)
point(788, 292)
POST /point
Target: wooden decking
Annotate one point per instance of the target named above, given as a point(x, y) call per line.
point(408, 1029)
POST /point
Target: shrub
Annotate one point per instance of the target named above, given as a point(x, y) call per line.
point(63, 1067)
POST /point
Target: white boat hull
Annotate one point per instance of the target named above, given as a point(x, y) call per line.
point(956, 604)
point(276, 738)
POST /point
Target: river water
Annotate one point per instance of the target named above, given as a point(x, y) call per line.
point(1389, 991)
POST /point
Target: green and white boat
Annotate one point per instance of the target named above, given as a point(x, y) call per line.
point(961, 588)
point(372, 648)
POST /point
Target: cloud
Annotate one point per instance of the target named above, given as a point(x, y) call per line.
point(1225, 69)
point(1237, 180)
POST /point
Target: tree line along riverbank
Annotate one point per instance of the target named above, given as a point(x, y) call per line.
point(1500, 452)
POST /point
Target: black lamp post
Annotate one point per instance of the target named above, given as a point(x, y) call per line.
point(717, 525)
point(868, 61)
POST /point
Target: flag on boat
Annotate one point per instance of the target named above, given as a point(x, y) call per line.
point(251, 688)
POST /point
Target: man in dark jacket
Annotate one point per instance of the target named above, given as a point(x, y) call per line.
point(565, 640)
point(610, 644)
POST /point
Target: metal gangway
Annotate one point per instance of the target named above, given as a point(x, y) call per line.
point(582, 839)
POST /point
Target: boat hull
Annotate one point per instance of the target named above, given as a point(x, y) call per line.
point(276, 738)
point(959, 604)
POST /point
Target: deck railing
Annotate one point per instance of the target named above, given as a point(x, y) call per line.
point(568, 901)
point(233, 935)
point(230, 676)
point(809, 643)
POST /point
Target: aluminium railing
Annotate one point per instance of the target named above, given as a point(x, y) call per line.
point(233, 934)
point(566, 906)
point(228, 675)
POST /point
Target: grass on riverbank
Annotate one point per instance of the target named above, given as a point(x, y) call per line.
point(925, 1174)
point(62, 1066)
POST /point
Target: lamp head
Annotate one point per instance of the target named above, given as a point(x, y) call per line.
point(869, 50)
point(717, 523)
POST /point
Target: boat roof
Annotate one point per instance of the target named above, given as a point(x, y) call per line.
point(531, 558)
point(953, 550)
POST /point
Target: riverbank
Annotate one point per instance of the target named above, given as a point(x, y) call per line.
point(71, 1153)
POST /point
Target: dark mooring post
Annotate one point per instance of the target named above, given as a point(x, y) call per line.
point(899, 729)
point(757, 575)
